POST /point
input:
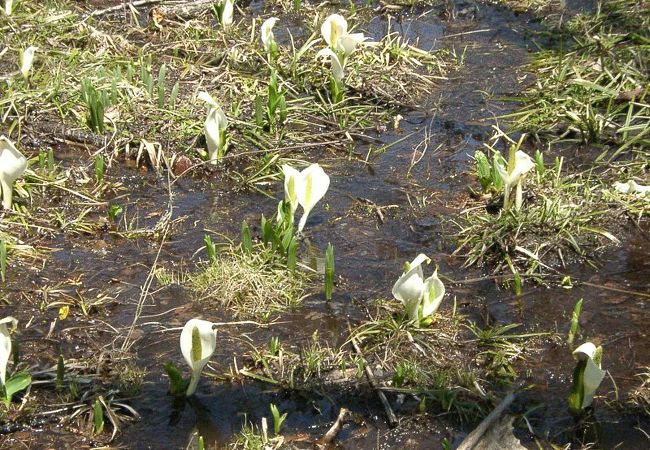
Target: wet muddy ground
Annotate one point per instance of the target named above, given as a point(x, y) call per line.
point(417, 204)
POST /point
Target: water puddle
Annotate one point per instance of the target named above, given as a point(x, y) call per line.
point(378, 214)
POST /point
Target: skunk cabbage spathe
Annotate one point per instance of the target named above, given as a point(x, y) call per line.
point(335, 32)
point(305, 188)
point(413, 290)
point(27, 60)
point(587, 376)
point(268, 39)
point(5, 345)
point(198, 342)
point(519, 164)
point(215, 128)
point(12, 166)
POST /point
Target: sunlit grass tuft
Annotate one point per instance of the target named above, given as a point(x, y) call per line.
point(428, 362)
point(252, 285)
point(532, 5)
point(500, 348)
point(565, 217)
point(308, 365)
point(593, 86)
point(252, 437)
point(640, 396)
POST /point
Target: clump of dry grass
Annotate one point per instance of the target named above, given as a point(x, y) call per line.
point(531, 5)
point(592, 86)
point(394, 338)
point(249, 285)
point(308, 364)
point(450, 364)
point(428, 362)
point(565, 216)
point(640, 397)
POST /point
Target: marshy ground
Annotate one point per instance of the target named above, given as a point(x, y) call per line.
point(107, 257)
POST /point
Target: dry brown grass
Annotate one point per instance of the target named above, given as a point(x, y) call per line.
point(252, 286)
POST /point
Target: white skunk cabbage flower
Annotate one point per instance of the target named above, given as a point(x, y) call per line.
point(268, 39)
point(413, 290)
point(335, 32)
point(9, 6)
point(516, 169)
point(12, 166)
point(338, 64)
point(5, 345)
point(588, 375)
point(27, 60)
point(434, 291)
point(305, 188)
point(631, 187)
point(198, 343)
point(409, 288)
point(216, 124)
point(519, 164)
point(348, 42)
point(228, 12)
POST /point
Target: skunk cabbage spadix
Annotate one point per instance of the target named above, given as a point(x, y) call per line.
point(338, 65)
point(27, 60)
point(333, 27)
point(5, 345)
point(12, 166)
point(268, 39)
point(305, 188)
point(413, 290)
point(335, 32)
point(587, 376)
point(631, 187)
point(216, 124)
point(519, 164)
point(198, 343)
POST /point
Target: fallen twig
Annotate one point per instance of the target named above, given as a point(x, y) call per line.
point(477, 433)
point(392, 419)
point(334, 429)
point(186, 10)
point(112, 9)
point(614, 289)
point(58, 133)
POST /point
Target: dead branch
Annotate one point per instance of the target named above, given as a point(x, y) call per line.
point(334, 429)
point(185, 10)
point(477, 433)
point(116, 8)
point(372, 381)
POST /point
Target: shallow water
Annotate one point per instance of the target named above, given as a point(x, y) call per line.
point(458, 116)
point(369, 253)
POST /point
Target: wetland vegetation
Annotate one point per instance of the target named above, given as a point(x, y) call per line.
point(287, 224)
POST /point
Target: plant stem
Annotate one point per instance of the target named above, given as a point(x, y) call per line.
point(506, 197)
point(519, 196)
point(194, 382)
